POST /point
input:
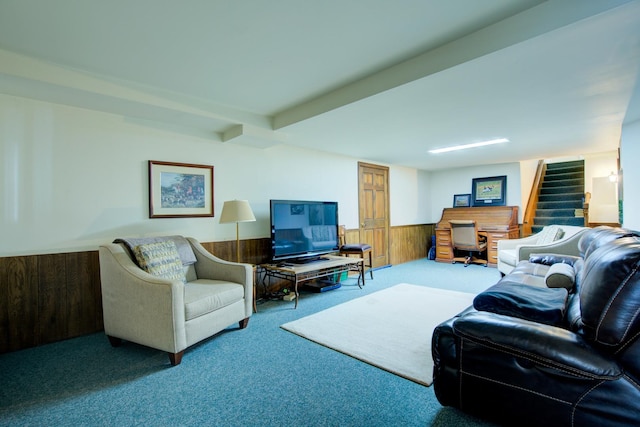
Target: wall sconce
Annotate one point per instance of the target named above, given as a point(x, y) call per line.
point(613, 177)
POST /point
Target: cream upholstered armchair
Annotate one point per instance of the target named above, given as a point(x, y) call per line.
point(556, 239)
point(169, 293)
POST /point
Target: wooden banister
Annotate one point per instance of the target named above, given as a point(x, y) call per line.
point(530, 211)
point(585, 208)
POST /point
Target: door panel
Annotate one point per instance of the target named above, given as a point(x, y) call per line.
point(374, 210)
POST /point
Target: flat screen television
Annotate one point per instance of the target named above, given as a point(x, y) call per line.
point(302, 231)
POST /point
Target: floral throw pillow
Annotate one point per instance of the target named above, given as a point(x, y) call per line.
point(161, 259)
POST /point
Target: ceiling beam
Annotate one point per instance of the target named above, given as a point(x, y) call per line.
point(549, 16)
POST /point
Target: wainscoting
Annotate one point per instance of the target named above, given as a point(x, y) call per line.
point(52, 297)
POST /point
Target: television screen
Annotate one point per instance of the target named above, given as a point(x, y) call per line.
point(303, 229)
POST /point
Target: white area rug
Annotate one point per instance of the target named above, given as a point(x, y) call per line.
point(390, 329)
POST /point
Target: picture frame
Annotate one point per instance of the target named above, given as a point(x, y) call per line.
point(461, 200)
point(489, 191)
point(180, 190)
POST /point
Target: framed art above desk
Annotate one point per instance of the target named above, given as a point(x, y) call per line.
point(491, 191)
point(461, 200)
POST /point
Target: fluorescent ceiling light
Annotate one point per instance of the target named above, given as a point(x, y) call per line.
point(465, 146)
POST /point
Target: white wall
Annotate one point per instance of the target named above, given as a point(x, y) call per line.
point(629, 155)
point(604, 193)
point(410, 195)
point(445, 183)
point(72, 179)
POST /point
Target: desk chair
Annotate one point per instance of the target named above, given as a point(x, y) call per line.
point(465, 237)
point(360, 249)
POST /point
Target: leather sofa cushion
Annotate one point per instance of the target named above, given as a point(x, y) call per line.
point(537, 304)
point(529, 269)
point(560, 276)
point(610, 292)
point(600, 236)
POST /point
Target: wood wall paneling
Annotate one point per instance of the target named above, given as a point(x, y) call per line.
point(18, 303)
point(410, 242)
point(52, 297)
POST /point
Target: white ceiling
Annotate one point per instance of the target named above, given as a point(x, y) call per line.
point(379, 80)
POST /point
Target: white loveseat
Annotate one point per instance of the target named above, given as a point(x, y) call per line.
point(171, 314)
point(557, 239)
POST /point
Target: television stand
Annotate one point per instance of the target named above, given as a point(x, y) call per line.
point(322, 268)
point(306, 260)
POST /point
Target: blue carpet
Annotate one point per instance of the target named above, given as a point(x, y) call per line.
point(259, 376)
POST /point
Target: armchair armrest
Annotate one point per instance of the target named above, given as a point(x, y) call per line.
point(210, 266)
point(138, 306)
point(567, 246)
point(540, 344)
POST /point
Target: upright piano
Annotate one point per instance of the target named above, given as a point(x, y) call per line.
point(496, 222)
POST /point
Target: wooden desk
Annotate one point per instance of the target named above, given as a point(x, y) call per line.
point(327, 266)
point(496, 222)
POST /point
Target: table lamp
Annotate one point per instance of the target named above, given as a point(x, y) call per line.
point(236, 211)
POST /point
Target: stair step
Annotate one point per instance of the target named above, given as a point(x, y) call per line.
point(563, 182)
point(563, 176)
point(536, 228)
point(563, 204)
point(566, 165)
point(555, 213)
point(567, 169)
point(562, 190)
point(558, 220)
point(560, 195)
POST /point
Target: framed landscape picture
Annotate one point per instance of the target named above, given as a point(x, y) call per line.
point(461, 200)
point(491, 191)
point(180, 190)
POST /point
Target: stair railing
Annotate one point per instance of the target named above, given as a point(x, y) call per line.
point(530, 211)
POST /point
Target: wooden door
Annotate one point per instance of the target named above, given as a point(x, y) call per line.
point(373, 190)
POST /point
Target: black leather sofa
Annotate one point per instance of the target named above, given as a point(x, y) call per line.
point(527, 354)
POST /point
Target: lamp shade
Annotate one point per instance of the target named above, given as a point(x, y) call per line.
point(236, 211)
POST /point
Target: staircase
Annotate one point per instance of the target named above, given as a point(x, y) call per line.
point(561, 196)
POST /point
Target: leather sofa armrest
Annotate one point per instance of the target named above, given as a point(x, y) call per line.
point(540, 344)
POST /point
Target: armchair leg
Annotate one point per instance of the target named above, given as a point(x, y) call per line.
point(243, 323)
point(176, 358)
point(115, 341)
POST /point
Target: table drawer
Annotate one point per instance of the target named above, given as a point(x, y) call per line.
point(444, 252)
